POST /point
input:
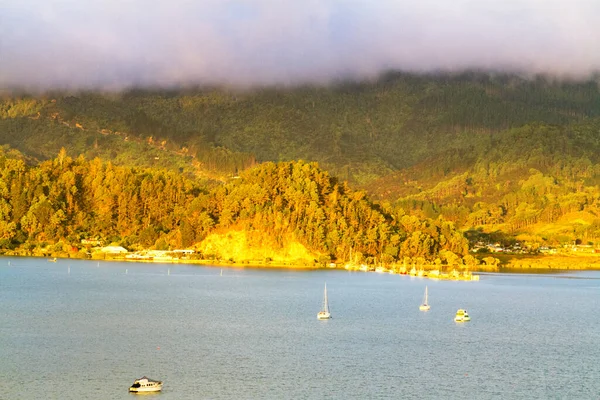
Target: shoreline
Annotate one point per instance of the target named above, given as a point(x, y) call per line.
point(536, 264)
point(209, 263)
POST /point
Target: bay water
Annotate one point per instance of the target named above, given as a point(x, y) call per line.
point(76, 329)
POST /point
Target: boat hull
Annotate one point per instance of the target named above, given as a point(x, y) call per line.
point(157, 388)
point(323, 315)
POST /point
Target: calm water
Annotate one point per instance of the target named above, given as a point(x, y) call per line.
point(83, 330)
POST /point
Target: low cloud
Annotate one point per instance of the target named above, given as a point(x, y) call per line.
point(110, 44)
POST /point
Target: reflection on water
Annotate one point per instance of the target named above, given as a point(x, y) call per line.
point(253, 333)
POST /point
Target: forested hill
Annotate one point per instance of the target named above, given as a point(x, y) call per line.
point(51, 208)
point(357, 131)
point(538, 184)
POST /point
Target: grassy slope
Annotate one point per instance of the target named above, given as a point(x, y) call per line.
point(359, 131)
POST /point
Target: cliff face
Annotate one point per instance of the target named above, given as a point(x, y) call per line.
point(254, 247)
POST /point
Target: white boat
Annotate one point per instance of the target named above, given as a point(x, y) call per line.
point(425, 306)
point(144, 384)
point(462, 316)
point(324, 313)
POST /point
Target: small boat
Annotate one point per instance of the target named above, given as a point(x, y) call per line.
point(144, 384)
point(462, 316)
point(425, 306)
point(324, 313)
point(52, 259)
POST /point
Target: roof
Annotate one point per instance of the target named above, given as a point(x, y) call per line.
point(114, 249)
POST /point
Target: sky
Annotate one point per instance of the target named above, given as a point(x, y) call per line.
point(115, 44)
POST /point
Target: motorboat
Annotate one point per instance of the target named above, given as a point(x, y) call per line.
point(145, 384)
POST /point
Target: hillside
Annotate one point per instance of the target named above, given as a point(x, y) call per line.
point(530, 183)
point(490, 152)
point(290, 212)
point(358, 131)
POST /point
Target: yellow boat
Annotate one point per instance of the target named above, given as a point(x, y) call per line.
point(462, 316)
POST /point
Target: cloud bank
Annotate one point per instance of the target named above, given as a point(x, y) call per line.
point(113, 44)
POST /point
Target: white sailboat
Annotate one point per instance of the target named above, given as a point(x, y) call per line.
point(425, 306)
point(324, 313)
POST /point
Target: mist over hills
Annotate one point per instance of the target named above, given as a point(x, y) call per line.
point(68, 45)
